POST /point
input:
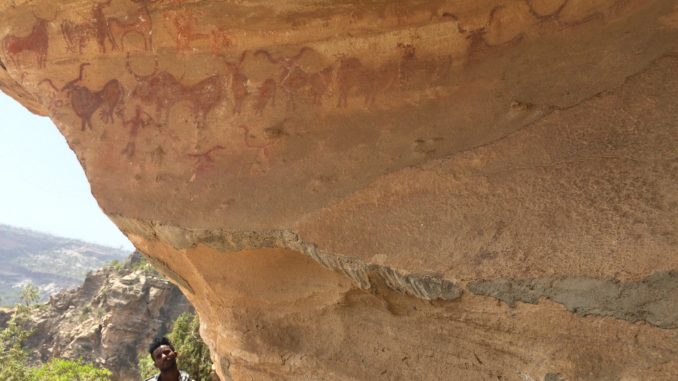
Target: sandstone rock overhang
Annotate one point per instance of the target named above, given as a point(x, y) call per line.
point(345, 190)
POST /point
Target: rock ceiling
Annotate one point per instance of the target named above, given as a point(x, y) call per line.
point(383, 190)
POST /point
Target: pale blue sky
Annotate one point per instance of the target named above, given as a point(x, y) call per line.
point(42, 185)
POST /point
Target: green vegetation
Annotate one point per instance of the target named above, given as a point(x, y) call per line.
point(142, 264)
point(115, 264)
point(133, 264)
point(14, 359)
point(29, 295)
point(193, 354)
point(67, 370)
point(85, 313)
point(12, 355)
point(145, 365)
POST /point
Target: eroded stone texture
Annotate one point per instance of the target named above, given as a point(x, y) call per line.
point(276, 314)
point(424, 286)
point(326, 180)
point(651, 299)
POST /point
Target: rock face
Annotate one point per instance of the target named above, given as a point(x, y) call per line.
point(383, 190)
point(107, 321)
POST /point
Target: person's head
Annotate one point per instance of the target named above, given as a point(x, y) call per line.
point(163, 354)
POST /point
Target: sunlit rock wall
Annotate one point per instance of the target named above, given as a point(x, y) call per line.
point(468, 190)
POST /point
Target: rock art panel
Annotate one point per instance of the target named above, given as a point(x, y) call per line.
point(35, 43)
point(262, 144)
point(238, 82)
point(138, 21)
point(415, 71)
point(354, 77)
point(185, 27)
point(349, 182)
point(265, 95)
point(204, 161)
point(141, 119)
point(85, 102)
point(78, 34)
point(294, 81)
point(163, 90)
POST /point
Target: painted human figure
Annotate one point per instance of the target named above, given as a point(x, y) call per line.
point(140, 120)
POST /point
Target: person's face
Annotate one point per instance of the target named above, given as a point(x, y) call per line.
point(164, 358)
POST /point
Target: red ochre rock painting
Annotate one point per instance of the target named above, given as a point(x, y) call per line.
point(443, 189)
point(85, 102)
point(36, 43)
point(162, 90)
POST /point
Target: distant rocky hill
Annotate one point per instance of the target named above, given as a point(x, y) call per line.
point(108, 320)
point(50, 263)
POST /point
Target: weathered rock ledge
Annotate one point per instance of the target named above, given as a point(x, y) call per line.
point(424, 286)
point(652, 299)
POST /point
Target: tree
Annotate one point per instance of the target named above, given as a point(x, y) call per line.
point(13, 357)
point(194, 356)
point(115, 264)
point(68, 370)
point(29, 295)
point(145, 364)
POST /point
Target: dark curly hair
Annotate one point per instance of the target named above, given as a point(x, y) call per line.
point(158, 341)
